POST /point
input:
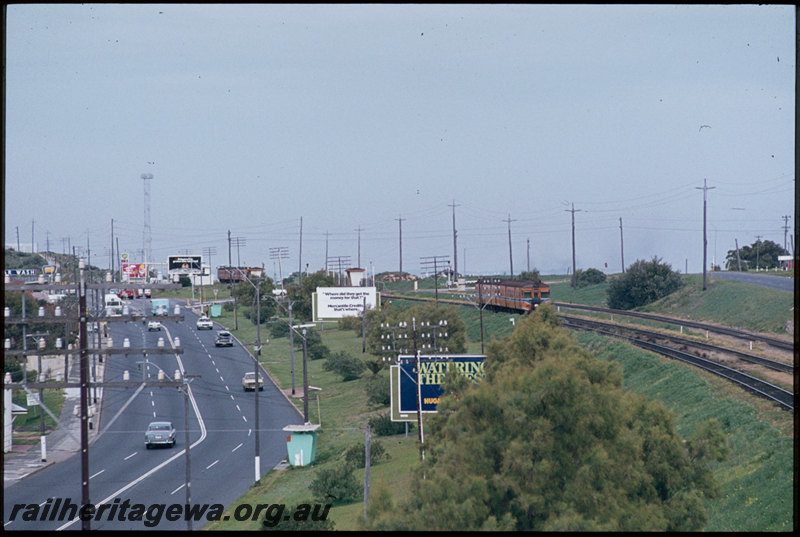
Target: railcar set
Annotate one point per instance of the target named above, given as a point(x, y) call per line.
point(519, 296)
point(236, 274)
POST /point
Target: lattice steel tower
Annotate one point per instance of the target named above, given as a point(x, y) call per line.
point(146, 238)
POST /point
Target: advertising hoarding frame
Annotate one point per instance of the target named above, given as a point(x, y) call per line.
point(404, 385)
point(184, 264)
point(334, 303)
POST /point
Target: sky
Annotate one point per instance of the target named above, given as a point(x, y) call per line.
point(345, 134)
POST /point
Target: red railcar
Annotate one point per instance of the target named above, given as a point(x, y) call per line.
point(511, 295)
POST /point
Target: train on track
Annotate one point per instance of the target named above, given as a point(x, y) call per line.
point(519, 296)
point(237, 274)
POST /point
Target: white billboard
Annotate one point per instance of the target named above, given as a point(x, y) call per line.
point(332, 303)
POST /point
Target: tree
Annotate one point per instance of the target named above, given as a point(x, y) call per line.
point(642, 283)
point(302, 295)
point(532, 276)
point(378, 338)
point(761, 254)
point(549, 441)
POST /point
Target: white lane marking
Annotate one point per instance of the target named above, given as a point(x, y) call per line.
point(237, 408)
point(177, 489)
point(203, 434)
point(131, 455)
point(97, 474)
point(237, 447)
point(244, 418)
point(212, 464)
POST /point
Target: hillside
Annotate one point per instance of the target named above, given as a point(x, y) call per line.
point(757, 479)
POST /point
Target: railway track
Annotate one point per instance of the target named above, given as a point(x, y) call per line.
point(775, 365)
point(755, 385)
point(782, 397)
point(734, 332)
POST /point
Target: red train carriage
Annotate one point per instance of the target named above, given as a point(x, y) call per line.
point(512, 295)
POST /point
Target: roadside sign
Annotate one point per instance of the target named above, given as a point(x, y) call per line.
point(433, 368)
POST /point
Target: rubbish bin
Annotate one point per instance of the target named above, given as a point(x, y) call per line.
point(216, 310)
point(301, 443)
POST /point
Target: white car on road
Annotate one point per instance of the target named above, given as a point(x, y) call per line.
point(204, 323)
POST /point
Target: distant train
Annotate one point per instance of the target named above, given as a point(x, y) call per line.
point(237, 274)
point(511, 295)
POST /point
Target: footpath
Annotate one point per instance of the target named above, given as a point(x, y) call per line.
point(63, 442)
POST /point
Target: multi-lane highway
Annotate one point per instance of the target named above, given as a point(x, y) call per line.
point(123, 473)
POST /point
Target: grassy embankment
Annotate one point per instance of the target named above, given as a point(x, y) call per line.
point(757, 478)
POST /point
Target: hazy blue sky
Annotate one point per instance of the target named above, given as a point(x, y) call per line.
point(366, 117)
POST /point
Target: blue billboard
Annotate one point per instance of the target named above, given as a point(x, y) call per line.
point(433, 369)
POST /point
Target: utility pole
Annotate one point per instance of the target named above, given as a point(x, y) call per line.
point(434, 260)
point(359, 247)
point(510, 257)
point(785, 230)
point(529, 253)
point(738, 259)
point(300, 255)
point(455, 241)
point(400, 222)
point(704, 188)
point(84, 393)
point(621, 249)
point(326, 252)
point(281, 252)
point(573, 211)
point(758, 243)
point(112, 248)
point(146, 236)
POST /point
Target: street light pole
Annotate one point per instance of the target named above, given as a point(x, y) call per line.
point(257, 456)
point(258, 362)
point(305, 378)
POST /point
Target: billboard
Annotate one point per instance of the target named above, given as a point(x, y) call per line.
point(134, 270)
point(432, 371)
point(184, 264)
point(333, 303)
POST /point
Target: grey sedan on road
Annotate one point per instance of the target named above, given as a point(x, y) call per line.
point(159, 433)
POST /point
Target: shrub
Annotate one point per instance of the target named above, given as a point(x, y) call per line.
point(351, 323)
point(643, 282)
point(588, 277)
point(379, 391)
point(356, 454)
point(336, 485)
point(382, 425)
point(349, 367)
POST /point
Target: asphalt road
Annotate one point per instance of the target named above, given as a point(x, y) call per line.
point(124, 473)
point(781, 283)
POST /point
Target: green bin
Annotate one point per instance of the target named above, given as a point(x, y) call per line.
point(216, 310)
point(301, 443)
